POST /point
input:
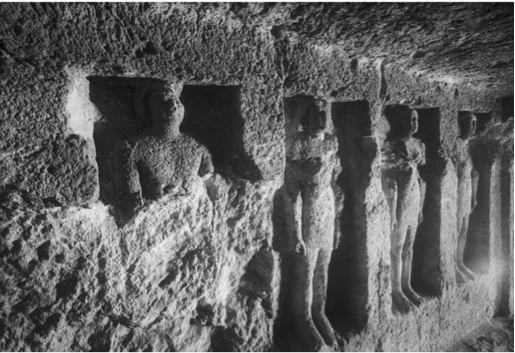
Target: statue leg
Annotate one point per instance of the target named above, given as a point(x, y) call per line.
point(301, 301)
point(460, 249)
point(319, 297)
point(460, 253)
point(407, 261)
point(401, 303)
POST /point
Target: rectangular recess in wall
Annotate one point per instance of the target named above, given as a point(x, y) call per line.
point(482, 121)
point(212, 116)
point(347, 296)
point(426, 276)
point(477, 247)
point(124, 114)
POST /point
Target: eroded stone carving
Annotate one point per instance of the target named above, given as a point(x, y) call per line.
point(162, 161)
point(405, 192)
point(312, 203)
point(468, 178)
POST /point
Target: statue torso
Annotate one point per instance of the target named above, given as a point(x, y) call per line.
point(403, 156)
point(167, 164)
point(312, 161)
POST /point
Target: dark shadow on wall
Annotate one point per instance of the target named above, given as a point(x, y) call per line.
point(483, 119)
point(124, 115)
point(426, 272)
point(506, 237)
point(212, 116)
point(347, 295)
point(506, 108)
point(477, 247)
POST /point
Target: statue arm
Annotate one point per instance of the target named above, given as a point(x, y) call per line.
point(206, 164)
point(475, 180)
point(293, 210)
point(339, 198)
point(422, 153)
point(127, 182)
point(423, 188)
point(389, 185)
point(422, 183)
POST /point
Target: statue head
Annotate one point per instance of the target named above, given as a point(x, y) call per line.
point(166, 111)
point(403, 121)
point(408, 121)
point(315, 121)
point(467, 122)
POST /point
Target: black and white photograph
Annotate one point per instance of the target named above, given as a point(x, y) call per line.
point(256, 176)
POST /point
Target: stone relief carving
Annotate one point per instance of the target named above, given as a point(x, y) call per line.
point(405, 192)
point(162, 161)
point(468, 178)
point(312, 203)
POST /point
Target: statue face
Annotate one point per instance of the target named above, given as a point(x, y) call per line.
point(165, 109)
point(317, 124)
point(468, 123)
point(408, 122)
point(315, 121)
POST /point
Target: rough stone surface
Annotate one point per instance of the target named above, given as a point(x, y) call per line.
point(493, 336)
point(200, 271)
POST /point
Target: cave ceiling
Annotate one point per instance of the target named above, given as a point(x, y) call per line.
point(465, 43)
point(459, 42)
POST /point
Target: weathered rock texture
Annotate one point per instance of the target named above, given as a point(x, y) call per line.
point(200, 271)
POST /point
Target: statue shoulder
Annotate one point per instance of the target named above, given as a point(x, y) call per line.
point(417, 141)
point(419, 153)
point(331, 138)
point(190, 143)
point(186, 139)
point(418, 145)
point(331, 141)
point(389, 147)
point(127, 150)
point(129, 145)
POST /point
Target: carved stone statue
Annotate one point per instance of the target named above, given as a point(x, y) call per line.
point(162, 161)
point(405, 192)
point(467, 190)
point(313, 205)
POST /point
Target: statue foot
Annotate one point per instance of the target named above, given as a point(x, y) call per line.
point(461, 278)
point(401, 304)
point(342, 343)
point(464, 275)
point(325, 328)
point(414, 297)
point(307, 338)
point(471, 275)
point(317, 342)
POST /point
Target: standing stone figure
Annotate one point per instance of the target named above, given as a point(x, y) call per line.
point(467, 190)
point(405, 191)
point(312, 206)
point(162, 161)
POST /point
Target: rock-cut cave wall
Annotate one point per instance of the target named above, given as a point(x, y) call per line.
point(214, 265)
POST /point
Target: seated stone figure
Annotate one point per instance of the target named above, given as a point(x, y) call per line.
point(405, 191)
point(163, 161)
